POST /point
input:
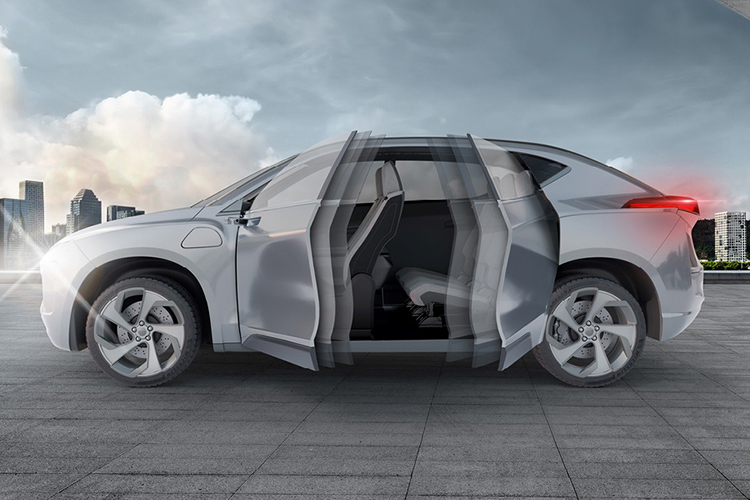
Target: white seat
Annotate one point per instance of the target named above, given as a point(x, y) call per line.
point(424, 287)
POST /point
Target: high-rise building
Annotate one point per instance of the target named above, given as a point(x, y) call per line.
point(33, 193)
point(14, 250)
point(85, 211)
point(59, 230)
point(730, 236)
point(58, 233)
point(115, 212)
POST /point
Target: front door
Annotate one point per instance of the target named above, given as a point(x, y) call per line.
point(278, 301)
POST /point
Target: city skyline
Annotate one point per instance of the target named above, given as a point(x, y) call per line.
point(38, 186)
point(23, 239)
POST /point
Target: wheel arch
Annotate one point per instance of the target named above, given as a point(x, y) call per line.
point(631, 277)
point(107, 274)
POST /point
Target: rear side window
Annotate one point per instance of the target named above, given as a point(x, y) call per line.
point(419, 179)
point(542, 169)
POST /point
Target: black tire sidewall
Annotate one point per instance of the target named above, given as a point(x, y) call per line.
point(563, 289)
point(171, 291)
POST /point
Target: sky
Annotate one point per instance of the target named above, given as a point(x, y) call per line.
point(159, 104)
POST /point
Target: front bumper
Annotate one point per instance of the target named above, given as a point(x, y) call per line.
point(63, 269)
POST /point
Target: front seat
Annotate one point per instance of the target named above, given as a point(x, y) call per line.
point(355, 307)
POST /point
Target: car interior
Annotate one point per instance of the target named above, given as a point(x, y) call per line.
point(409, 264)
point(420, 269)
point(412, 241)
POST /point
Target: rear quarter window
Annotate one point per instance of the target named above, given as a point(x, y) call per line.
point(544, 170)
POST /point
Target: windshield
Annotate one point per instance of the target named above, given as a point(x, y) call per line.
point(228, 192)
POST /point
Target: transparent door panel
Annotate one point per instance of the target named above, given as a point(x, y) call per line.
point(277, 290)
point(531, 254)
point(330, 249)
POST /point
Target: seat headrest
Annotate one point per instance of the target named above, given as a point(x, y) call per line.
point(524, 184)
point(514, 185)
point(506, 187)
point(387, 180)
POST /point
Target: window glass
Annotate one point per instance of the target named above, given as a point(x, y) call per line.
point(235, 189)
point(541, 168)
point(510, 179)
point(305, 177)
point(419, 179)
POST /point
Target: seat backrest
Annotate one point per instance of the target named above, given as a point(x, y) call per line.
point(381, 222)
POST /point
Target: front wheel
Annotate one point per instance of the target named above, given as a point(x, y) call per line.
point(143, 331)
point(595, 332)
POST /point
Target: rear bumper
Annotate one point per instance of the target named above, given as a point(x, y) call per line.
point(674, 323)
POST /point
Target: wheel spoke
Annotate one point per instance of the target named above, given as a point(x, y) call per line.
point(626, 333)
point(601, 299)
point(562, 313)
point(175, 332)
point(151, 365)
point(176, 345)
point(564, 353)
point(113, 352)
point(600, 365)
point(148, 301)
point(111, 312)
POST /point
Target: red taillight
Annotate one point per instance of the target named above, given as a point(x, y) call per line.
point(678, 202)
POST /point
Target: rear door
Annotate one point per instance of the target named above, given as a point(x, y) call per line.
point(532, 249)
point(278, 301)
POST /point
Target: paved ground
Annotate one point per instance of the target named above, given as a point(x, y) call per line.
point(249, 427)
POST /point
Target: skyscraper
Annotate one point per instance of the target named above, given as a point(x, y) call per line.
point(33, 193)
point(58, 232)
point(115, 212)
point(730, 236)
point(85, 211)
point(14, 251)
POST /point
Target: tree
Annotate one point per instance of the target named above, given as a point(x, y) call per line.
point(703, 239)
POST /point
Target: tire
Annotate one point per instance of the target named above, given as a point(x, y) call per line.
point(591, 349)
point(163, 342)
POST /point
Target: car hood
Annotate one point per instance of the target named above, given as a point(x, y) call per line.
point(171, 216)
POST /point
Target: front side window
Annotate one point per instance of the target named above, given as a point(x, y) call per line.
point(304, 179)
point(243, 184)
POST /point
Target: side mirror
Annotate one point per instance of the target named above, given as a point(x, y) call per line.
point(242, 221)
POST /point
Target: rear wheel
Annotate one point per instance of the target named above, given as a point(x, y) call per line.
point(143, 331)
point(595, 332)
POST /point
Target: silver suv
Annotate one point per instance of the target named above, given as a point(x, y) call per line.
point(482, 249)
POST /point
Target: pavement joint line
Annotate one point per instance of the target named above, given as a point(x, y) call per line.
point(699, 370)
point(349, 372)
point(705, 368)
point(123, 390)
point(424, 427)
point(687, 442)
point(554, 439)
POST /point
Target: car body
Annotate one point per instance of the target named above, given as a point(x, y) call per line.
point(374, 244)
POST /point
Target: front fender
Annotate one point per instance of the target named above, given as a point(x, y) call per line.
point(210, 261)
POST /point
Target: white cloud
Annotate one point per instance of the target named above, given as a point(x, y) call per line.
point(621, 163)
point(10, 81)
point(133, 149)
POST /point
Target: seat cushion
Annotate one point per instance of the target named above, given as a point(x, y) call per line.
point(423, 287)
